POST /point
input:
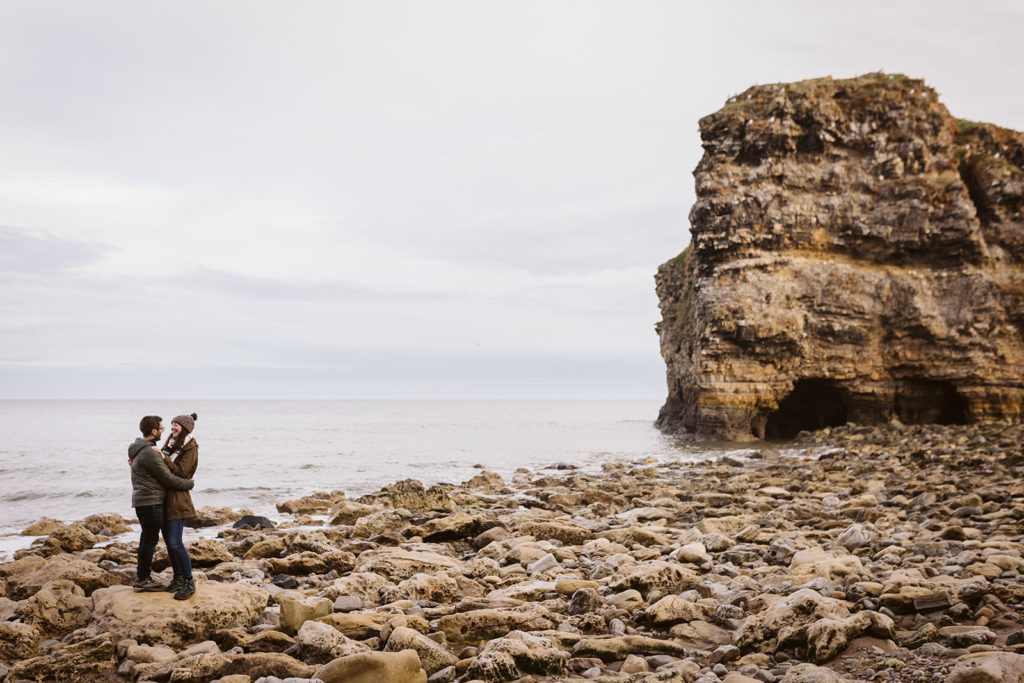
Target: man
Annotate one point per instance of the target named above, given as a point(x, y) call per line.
point(150, 480)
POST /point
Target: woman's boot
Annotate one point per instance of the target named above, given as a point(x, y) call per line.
point(187, 590)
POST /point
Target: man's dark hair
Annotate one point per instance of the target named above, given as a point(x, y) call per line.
point(149, 423)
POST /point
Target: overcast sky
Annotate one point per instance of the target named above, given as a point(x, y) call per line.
point(378, 199)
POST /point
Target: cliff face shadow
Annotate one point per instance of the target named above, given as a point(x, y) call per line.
point(813, 404)
point(816, 403)
point(923, 401)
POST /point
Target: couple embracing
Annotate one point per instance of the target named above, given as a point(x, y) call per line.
point(161, 480)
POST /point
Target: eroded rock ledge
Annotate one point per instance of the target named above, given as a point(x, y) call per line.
point(857, 255)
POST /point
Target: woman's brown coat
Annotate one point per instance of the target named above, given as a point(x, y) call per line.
point(178, 504)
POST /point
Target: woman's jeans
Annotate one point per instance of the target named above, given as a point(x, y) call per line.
point(151, 519)
point(180, 561)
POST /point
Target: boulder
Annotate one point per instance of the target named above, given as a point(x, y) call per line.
point(809, 673)
point(107, 524)
point(374, 667)
point(212, 516)
point(320, 643)
point(614, 648)
point(159, 618)
point(484, 624)
point(81, 572)
point(567, 534)
point(358, 625)
point(381, 522)
point(297, 609)
point(410, 494)
point(523, 591)
point(315, 503)
point(347, 512)
point(254, 522)
point(79, 660)
point(459, 524)
point(58, 608)
point(810, 564)
point(43, 527)
point(433, 656)
point(806, 616)
point(257, 664)
point(667, 577)
point(988, 667)
point(268, 547)
point(684, 671)
point(673, 609)
point(70, 538)
point(397, 564)
point(433, 587)
point(530, 654)
point(18, 641)
point(486, 481)
point(190, 669)
point(362, 585)
point(826, 638)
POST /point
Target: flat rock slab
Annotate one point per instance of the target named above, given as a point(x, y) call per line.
point(159, 618)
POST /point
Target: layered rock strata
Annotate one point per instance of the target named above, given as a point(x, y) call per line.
point(857, 254)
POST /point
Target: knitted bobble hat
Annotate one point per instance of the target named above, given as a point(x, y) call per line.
point(187, 421)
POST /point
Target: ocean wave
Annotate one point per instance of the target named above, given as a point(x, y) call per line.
point(20, 496)
point(236, 489)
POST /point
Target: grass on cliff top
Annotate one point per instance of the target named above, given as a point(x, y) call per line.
point(865, 87)
point(964, 128)
point(679, 260)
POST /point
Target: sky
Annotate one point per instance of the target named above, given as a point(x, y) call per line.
point(393, 200)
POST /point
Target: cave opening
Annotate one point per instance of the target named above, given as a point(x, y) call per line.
point(813, 404)
point(927, 401)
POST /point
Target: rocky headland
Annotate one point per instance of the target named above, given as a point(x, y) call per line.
point(857, 254)
point(891, 553)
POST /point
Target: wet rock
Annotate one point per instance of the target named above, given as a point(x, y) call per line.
point(254, 522)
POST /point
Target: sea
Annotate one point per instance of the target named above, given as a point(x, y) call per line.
point(68, 459)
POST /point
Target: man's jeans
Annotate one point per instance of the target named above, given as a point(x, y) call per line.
point(151, 518)
point(180, 561)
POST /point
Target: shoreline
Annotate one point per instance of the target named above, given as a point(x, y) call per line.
point(893, 554)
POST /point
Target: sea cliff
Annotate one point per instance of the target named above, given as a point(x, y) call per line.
point(857, 254)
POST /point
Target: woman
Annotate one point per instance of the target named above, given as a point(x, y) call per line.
point(178, 504)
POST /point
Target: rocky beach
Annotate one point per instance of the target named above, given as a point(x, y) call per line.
point(884, 553)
